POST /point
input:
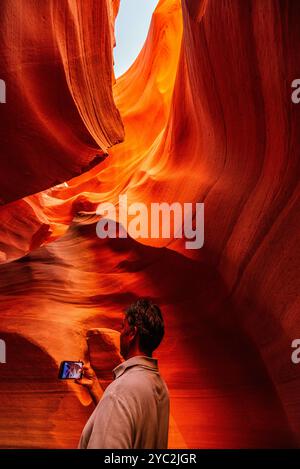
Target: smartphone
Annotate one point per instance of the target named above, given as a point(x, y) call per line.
point(70, 370)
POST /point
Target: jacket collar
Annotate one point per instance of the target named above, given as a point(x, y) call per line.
point(138, 360)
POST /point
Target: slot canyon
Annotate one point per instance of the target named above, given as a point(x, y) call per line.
point(204, 114)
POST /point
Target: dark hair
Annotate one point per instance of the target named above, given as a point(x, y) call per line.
point(148, 319)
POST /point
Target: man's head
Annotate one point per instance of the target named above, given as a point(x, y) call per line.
point(142, 329)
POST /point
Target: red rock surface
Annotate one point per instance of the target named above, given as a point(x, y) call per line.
point(208, 118)
point(59, 116)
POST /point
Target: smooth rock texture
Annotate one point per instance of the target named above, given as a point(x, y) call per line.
point(208, 118)
point(59, 117)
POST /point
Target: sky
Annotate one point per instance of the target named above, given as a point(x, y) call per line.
point(132, 25)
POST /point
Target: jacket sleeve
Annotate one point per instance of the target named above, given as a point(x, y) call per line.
point(113, 425)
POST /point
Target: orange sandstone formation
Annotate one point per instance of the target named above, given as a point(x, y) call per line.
point(208, 117)
point(60, 118)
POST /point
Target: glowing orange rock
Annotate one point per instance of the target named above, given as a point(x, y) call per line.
point(207, 118)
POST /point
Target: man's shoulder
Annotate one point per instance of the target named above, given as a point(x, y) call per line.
point(137, 381)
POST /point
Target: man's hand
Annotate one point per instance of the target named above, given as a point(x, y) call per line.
point(90, 381)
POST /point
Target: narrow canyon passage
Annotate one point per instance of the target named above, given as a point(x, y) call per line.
point(203, 115)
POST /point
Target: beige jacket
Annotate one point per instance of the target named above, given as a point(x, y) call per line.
point(133, 411)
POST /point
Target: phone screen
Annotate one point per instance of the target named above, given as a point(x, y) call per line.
point(70, 370)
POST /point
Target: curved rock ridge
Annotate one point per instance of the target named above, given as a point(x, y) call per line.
point(59, 116)
point(143, 97)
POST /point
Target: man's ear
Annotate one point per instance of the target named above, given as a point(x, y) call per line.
point(134, 331)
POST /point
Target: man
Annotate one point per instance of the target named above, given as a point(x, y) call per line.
point(134, 409)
